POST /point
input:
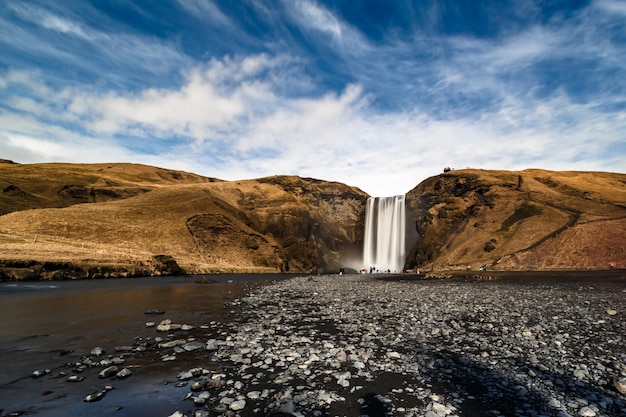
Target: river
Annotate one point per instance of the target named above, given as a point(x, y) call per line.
point(48, 325)
point(567, 323)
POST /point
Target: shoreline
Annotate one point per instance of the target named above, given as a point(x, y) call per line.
point(509, 274)
point(13, 270)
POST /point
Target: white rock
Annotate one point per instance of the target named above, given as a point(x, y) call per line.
point(211, 344)
point(108, 372)
point(393, 355)
point(620, 384)
point(97, 351)
point(325, 397)
point(164, 326)
point(586, 412)
point(253, 395)
point(191, 346)
point(554, 403)
point(238, 405)
point(172, 343)
point(124, 373)
point(440, 409)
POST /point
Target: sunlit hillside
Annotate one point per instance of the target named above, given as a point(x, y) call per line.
point(531, 219)
point(103, 217)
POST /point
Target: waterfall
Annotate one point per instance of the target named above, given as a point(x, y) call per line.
point(384, 242)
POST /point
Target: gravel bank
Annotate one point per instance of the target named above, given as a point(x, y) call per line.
point(355, 345)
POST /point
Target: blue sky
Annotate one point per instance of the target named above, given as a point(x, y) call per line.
point(376, 94)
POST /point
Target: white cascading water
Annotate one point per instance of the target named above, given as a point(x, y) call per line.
point(384, 241)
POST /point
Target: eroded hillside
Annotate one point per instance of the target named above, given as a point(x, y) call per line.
point(55, 185)
point(61, 221)
point(531, 219)
point(56, 216)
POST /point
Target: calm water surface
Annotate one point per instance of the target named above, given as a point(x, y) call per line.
point(50, 324)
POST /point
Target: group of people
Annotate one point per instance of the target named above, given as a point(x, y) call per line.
point(373, 270)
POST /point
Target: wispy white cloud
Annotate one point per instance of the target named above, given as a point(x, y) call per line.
point(205, 10)
point(612, 6)
point(316, 17)
point(465, 101)
point(47, 19)
point(247, 131)
point(113, 56)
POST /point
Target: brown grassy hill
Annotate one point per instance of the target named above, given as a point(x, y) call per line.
point(28, 186)
point(92, 220)
point(532, 219)
point(266, 225)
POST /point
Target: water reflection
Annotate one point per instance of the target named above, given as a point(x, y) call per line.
point(46, 325)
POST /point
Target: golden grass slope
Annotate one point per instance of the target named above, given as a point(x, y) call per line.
point(266, 225)
point(28, 186)
point(531, 220)
point(123, 216)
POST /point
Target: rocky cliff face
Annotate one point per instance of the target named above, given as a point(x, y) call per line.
point(531, 219)
point(286, 223)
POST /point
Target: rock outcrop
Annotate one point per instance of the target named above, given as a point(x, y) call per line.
point(531, 220)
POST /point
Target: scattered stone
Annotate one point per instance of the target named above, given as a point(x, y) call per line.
point(554, 403)
point(238, 405)
point(620, 384)
point(165, 325)
point(154, 312)
point(393, 355)
point(212, 344)
point(108, 372)
point(611, 312)
point(191, 346)
point(281, 343)
point(40, 372)
point(254, 395)
point(173, 343)
point(124, 373)
point(586, 412)
point(97, 351)
point(97, 395)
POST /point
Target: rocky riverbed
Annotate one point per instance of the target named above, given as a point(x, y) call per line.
point(361, 345)
point(355, 345)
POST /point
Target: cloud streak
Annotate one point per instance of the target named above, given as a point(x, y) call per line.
point(379, 112)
